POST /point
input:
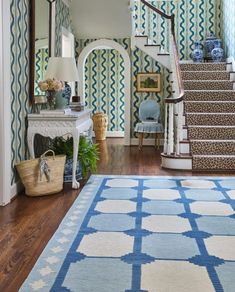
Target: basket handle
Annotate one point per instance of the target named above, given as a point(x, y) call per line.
point(44, 154)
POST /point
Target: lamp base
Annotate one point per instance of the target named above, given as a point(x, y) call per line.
point(63, 99)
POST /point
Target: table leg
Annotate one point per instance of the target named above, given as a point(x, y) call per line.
point(30, 141)
point(76, 136)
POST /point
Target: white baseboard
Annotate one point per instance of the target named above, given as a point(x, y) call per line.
point(113, 134)
point(146, 142)
point(16, 188)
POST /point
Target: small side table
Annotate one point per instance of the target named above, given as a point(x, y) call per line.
point(53, 126)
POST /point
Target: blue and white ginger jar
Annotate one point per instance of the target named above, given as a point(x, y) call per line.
point(197, 54)
point(210, 44)
point(217, 53)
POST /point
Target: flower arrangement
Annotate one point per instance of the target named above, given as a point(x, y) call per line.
point(51, 85)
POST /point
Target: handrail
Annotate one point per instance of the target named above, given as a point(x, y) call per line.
point(175, 52)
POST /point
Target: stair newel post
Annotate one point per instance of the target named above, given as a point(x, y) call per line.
point(178, 126)
point(165, 148)
point(170, 135)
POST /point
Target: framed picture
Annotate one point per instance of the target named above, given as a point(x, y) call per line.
point(148, 82)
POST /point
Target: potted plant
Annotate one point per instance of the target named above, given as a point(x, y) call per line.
point(87, 156)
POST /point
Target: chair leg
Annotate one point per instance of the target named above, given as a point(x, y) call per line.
point(141, 138)
point(157, 140)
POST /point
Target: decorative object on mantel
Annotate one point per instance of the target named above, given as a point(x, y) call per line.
point(217, 53)
point(148, 82)
point(197, 54)
point(63, 69)
point(42, 176)
point(51, 87)
point(100, 124)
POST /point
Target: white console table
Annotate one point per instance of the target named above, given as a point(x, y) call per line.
point(52, 125)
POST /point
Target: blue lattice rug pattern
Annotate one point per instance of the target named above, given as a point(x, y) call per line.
point(139, 233)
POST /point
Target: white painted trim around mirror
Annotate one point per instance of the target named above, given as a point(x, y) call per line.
point(81, 86)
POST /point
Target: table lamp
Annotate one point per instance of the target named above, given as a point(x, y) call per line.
point(63, 69)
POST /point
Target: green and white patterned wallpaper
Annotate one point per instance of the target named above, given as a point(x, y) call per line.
point(228, 26)
point(104, 86)
point(41, 61)
point(193, 21)
point(19, 47)
point(62, 18)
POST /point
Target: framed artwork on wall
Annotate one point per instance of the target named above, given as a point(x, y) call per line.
point(148, 82)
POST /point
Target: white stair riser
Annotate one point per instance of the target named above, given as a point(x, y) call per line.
point(185, 134)
point(177, 163)
point(184, 148)
point(232, 76)
point(229, 67)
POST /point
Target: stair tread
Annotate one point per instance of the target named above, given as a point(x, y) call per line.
point(209, 71)
point(209, 114)
point(210, 101)
point(208, 80)
point(210, 90)
point(212, 140)
point(210, 126)
point(211, 155)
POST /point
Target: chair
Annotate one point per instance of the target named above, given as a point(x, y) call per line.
point(149, 114)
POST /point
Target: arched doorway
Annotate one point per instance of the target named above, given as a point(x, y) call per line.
point(109, 44)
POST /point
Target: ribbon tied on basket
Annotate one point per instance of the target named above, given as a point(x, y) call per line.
point(44, 167)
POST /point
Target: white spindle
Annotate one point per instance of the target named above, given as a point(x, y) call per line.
point(165, 149)
point(170, 149)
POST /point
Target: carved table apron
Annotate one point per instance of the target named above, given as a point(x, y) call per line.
point(53, 126)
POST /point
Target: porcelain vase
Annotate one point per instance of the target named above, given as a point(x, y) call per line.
point(210, 44)
point(197, 54)
point(217, 53)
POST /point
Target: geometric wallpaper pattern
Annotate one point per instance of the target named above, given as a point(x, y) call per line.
point(193, 21)
point(19, 47)
point(228, 22)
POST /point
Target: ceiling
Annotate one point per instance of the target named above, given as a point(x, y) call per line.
point(101, 18)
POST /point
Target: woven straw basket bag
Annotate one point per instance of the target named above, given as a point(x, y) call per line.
point(42, 176)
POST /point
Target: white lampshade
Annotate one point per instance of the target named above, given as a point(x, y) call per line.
point(63, 69)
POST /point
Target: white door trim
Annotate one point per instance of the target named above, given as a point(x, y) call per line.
point(108, 44)
point(5, 104)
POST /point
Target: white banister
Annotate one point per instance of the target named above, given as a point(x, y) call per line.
point(166, 130)
point(170, 149)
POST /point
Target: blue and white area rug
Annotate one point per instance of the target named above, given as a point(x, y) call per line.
point(136, 233)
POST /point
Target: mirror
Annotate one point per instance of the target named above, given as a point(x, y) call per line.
point(40, 42)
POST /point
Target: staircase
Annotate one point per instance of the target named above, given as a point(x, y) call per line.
point(200, 115)
point(209, 107)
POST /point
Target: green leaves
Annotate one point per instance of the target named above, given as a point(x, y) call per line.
point(87, 153)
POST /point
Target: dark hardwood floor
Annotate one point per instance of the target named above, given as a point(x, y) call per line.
point(27, 224)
